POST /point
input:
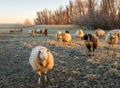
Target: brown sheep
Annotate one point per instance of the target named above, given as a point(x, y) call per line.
point(66, 37)
point(91, 42)
point(100, 33)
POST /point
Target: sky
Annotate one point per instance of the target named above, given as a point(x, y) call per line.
point(16, 11)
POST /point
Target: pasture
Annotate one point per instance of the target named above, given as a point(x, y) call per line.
point(74, 68)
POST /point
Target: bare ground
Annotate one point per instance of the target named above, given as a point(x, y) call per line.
point(74, 68)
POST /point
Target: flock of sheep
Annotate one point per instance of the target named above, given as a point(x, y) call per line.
point(41, 59)
point(16, 30)
point(38, 31)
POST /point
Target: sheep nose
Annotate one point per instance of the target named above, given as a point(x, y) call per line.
point(42, 56)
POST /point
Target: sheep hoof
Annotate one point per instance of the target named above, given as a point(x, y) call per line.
point(39, 82)
point(93, 54)
point(45, 79)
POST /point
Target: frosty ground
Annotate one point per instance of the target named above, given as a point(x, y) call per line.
point(74, 68)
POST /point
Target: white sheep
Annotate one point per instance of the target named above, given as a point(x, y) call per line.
point(100, 32)
point(41, 61)
point(117, 31)
point(79, 34)
point(111, 38)
point(59, 35)
point(66, 37)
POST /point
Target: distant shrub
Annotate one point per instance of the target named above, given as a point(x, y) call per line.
point(27, 22)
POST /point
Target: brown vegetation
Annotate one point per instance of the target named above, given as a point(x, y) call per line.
point(103, 14)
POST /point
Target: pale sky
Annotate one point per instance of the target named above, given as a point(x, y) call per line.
point(16, 11)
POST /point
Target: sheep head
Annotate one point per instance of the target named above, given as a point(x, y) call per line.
point(85, 37)
point(43, 54)
point(42, 57)
point(113, 37)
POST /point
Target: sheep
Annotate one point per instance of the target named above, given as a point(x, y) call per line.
point(117, 31)
point(12, 30)
point(41, 31)
point(37, 31)
point(66, 37)
point(59, 35)
point(41, 60)
point(45, 32)
point(111, 38)
point(20, 30)
point(67, 31)
point(79, 34)
point(32, 32)
point(91, 41)
point(99, 32)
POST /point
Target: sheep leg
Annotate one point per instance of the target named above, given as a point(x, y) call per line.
point(45, 76)
point(39, 78)
point(93, 51)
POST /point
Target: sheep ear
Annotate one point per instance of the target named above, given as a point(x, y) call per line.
point(48, 50)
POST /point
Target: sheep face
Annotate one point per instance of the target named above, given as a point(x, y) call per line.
point(43, 54)
point(113, 37)
point(85, 37)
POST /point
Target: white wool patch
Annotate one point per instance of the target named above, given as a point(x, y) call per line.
point(43, 54)
point(34, 54)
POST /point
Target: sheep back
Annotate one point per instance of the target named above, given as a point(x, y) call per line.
point(100, 33)
point(66, 37)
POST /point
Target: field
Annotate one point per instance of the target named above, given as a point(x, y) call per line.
point(74, 68)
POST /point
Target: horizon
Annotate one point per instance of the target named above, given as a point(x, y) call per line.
point(15, 12)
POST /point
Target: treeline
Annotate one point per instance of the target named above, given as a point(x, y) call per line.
point(95, 13)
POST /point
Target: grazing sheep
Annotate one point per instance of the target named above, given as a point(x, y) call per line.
point(59, 35)
point(41, 61)
point(91, 41)
point(79, 34)
point(41, 31)
point(45, 32)
point(66, 37)
point(111, 38)
point(37, 31)
point(20, 30)
point(32, 32)
point(17, 30)
point(100, 33)
point(12, 30)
